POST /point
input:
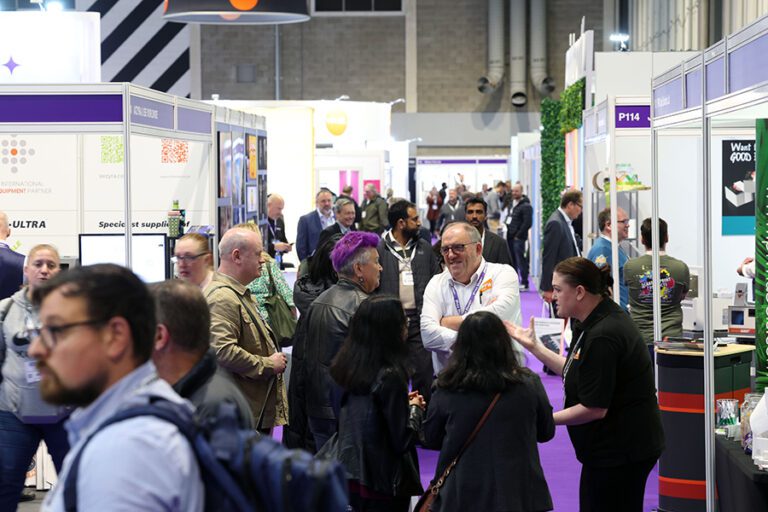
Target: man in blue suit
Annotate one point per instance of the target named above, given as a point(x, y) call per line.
point(11, 262)
point(311, 224)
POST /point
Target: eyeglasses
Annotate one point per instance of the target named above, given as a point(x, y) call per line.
point(48, 333)
point(182, 258)
point(456, 248)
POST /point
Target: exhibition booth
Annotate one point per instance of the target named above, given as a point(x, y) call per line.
point(709, 148)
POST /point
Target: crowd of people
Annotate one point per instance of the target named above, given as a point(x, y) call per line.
point(399, 342)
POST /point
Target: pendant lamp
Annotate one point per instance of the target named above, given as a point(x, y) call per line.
point(242, 12)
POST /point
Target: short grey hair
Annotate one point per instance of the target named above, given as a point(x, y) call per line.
point(341, 203)
point(469, 229)
point(362, 257)
point(236, 238)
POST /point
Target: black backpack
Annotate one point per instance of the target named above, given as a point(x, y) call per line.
point(240, 469)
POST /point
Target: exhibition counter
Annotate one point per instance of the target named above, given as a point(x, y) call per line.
point(740, 484)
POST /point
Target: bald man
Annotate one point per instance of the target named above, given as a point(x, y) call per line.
point(11, 262)
point(276, 239)
point(244, 344)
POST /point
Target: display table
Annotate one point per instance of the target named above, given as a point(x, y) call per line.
point(741, 485)
point(682, 480)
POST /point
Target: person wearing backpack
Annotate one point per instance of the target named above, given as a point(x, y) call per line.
point(92, 344)
point(25, 420)
point(379, 420)
point(183, 356)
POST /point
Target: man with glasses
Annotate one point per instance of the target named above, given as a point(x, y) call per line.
point(408, 263)
point(559, 240)
point(601, 254)
point(470, 284)
point(93, 346)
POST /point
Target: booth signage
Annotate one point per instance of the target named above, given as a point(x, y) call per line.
point(668, 98)
point(193, 121)
point(738, 194)
point(693, 89)
point(151, 113)
point(61, 108)
point(633, 116)
point(761, 253)
point(743, 70)
point(716, 78)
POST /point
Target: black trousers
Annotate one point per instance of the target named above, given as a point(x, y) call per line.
point(614, 488)
point(395, 504)
point(520, 260)
point(420, 368)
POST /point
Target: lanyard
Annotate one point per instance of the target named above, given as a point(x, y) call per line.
point(404, 258)
point(471, 297)
point(569, 362)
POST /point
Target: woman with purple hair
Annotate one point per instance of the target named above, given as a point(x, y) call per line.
point(356, 262)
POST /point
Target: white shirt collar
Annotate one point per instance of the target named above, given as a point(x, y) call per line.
point(565, 216)
point(650, 252)
point(475, 276)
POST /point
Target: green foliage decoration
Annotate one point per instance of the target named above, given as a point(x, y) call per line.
point(572, 104)
point(552, 157)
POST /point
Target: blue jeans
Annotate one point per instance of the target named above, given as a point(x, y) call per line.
point(18, 444)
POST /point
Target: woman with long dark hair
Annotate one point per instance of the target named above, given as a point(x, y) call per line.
point(379, 420)
point(610, 408)
point(499, 469)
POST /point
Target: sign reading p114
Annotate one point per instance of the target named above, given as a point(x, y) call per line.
point(633, 116)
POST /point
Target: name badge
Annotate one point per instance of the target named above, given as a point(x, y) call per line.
point(362, 215)
point(434, 207)
point(31, 372)
point(407, 277)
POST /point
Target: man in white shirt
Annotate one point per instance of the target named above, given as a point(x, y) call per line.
point(468, 284)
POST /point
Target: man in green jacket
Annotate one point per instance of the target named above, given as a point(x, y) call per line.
point(374, 211)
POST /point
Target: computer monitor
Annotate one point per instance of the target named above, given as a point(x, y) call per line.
point(150, 259)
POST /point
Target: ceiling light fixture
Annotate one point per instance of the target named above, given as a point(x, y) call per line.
point(238, 12)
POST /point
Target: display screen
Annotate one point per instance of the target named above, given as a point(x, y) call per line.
point(150, 253)
point(737, 317)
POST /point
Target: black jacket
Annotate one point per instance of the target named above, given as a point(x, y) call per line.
point(377, 432)
point(557, 245)
point(424, 266)
point(327, 327)
point(206, 386)
point(520, 220)
point(496, 249)
point(296, 433)
point(500, 470)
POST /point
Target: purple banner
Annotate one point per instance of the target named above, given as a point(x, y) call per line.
point(745, 65)
point(194, 121)
point(61, 108)
point(151, 113)
point(693, 89)
point(441, 161)
point(492, 161)
point(668, 98)
point(633, 116)
point(716, 79)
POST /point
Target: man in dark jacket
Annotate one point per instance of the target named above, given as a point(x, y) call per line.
point(518, 224)
point(559, 240)
point(11, 262)
point(408, 263)
point(182, 353)
point(374, 211)
point(495, 249)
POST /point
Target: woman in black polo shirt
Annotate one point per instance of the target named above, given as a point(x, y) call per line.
point(610, 399)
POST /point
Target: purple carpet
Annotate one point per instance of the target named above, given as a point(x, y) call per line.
point(561, 468)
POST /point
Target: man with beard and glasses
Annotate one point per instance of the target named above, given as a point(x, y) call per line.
point(93, 345)
point(495, 249)
point(408, 263)
point(25, 420)
point(469, 284)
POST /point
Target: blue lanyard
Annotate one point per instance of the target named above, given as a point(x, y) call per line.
point(471, 297)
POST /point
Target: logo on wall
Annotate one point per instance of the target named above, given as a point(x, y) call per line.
point(112, 149)
point(15, 152)
point(174, 151)
point(336, 122)
point(11, 65)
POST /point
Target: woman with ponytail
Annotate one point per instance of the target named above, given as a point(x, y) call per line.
point(610, 407)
